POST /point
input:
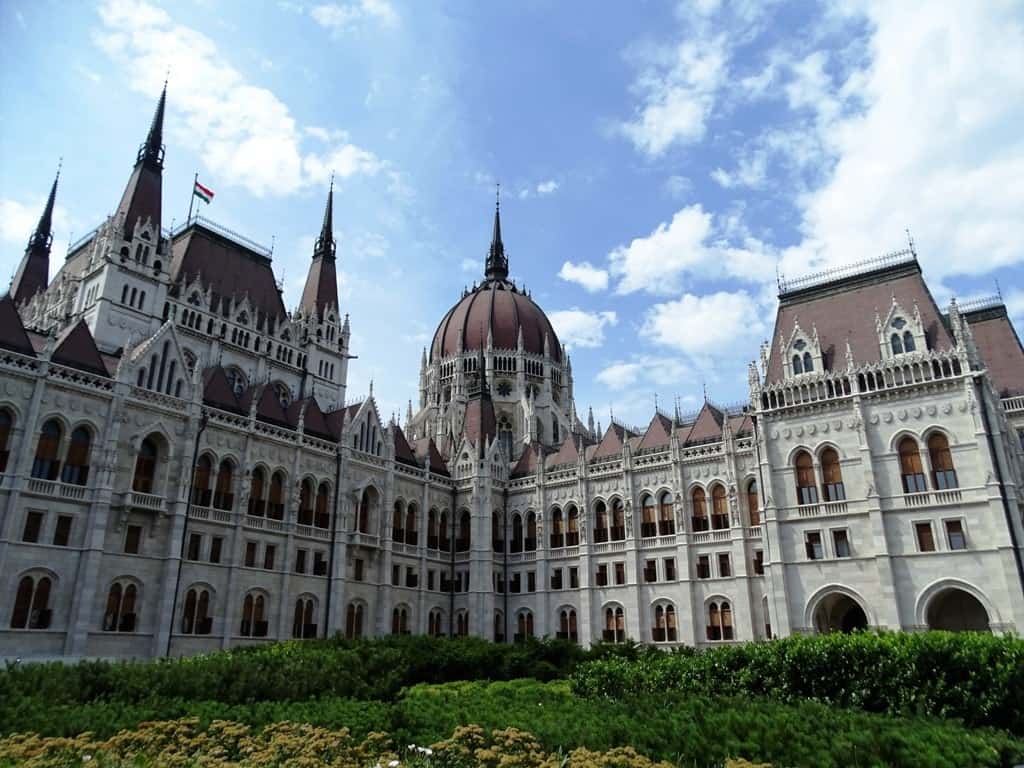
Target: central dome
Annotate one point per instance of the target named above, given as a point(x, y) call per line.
point(499, 308)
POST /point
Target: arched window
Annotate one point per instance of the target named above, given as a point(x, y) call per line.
point(499, 627)
point(367, 505)
point(531, 532)
point(666, 516)
point(254, 616)
point(505, 437)
point(911, 470)
point(567, 628)
point(943, 474)
point(648, 526)
point(411, 525)
point(572, 532)
point(76, 468)
point(798, 366)
point(201, 482)
point(908, 342)
point(600, 522)
point(306, 502)
point(120, 613)
point(614, 625)
point(257, 504)
point(434, 622)
point(444, 532)
point(275, 503)
point(832, 476)
point(304, 621)
point(806, 487)
point(664, 628)
point(463, 542)
point(461, 624)
point(46, 464)
point(808, 362)
point(397, 523)
point(524, 626)
point(195, 619)
point(497, 534)
point(400, 620)
point(896, 344)
point(699, 519)
point(719, 508)
point(145, 467)
point(517, 533)
point(224, 496)
point(6, 424)
point(432, 541)
point(322, 518)
point(236, 379)
point(618, 520)
point(32, 604)
point(720, 621)
point(557, 529)
point(753, 503)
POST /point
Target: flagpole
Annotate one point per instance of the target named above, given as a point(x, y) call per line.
point(191, 197)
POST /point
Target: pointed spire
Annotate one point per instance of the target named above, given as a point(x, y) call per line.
point(142, 198)
point(33, 273)
point(321, 290)
point(152, 151)
point(497, 262)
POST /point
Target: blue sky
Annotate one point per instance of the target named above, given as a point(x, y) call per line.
point(658, 162)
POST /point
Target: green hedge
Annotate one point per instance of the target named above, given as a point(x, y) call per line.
point(977, 678)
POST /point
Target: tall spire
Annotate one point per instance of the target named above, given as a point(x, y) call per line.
point(33, 273)
point(497, 262)
point(321, 289)
point(142, 198)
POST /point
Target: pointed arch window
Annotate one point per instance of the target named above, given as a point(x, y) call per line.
point(120, 613)
point(354, 621)
point(614, 625)
point(201, 481)
point(719, 508)
point(908, 342)
point(648, 525)
point(254, 619)
point(195, 618)
point(321, 517)
point(699, 518)
point(572, 529)
point(400, 620)
point(46, 464)
point(304, 618)
point(517, 534)
point(145, 467)
point(6, 425)
point(432, 540)
point(832, 476)
point(306, 502)
point(911, 469)
point(530, 544)
point(367, 505)
point(666, 515)
point(76, 468)
point(618, 531)
point(257, 487)
point(434, 623)
point(499, 627)
point(806, 486)
point(464, 539)
point(567, 626)
point(896, 344)
point(753, 503)
point(798, 366)
point(444, 533)
point(275, 502)
point(411, 525)
point(524, 626)
point(32, 603)
point(600, 522)
point(397, 523)
point(719, 621)
point(461, 624)
point(808, 363)
point(557, 529)
point(664, 627)
point(943, 473)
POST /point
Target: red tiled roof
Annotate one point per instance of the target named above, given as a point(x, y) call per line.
point(228, 268)
point(142, 198)
point(336, 420)
point(528, 462)
point(270, 410)
point(314, 422)
point(427, 451)
point(1000, 348)
point(496, 307)
point(741, 424)
point(481, 423)
point(657, 434)
point(77, 349)
point(611, 443)
point(567, 453)
point(845, 309)
point(403, 452)
point(217, 390)
point(12, 332)
point(321, 290)
point(708, 425)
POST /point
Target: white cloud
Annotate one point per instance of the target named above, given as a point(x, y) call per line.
point(689, 243)
point(585, 274)
point(578, 328)
point(750, 172)
point(677, 186)
point(678, 94)
point(666, 374)
point(243, 132)
point(620, 375)
point(547, 187)
point(18, 221)
point(718, 325)
point(339, 17)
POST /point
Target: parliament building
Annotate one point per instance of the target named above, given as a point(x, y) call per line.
point(182, 469)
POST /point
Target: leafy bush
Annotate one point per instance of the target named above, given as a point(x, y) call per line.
point(976, 678)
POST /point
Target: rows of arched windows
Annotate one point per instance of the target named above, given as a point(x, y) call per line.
point(719, 517)
point(210, 490)
point(657, 518)
point(47, 464)
point(616, 531)
point(565, 527)
point(119, 615)
point(719, 621)
point(404, 523)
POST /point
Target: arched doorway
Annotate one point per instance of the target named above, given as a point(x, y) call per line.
point(839, 613)
point(957, 611)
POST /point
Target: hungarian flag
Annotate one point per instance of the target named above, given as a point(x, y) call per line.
point(203, 193)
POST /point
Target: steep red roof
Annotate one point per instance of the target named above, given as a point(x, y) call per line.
point(427, 451)
point(403, 451)
point(227, 267)
point(270, 410)
point(657, 434)
point(336, 420)
point(76, 348)
point(12, 332)
point(528, 462)
point(741, 424)
point(314, 422)
point(611, 443)
point(217, 390)
point(845, 309)
point(707, 427)
point(481, 423)
point(1000, 348)
point(567, 453)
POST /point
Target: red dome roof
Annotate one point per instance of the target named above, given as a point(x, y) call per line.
point(496, 306)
